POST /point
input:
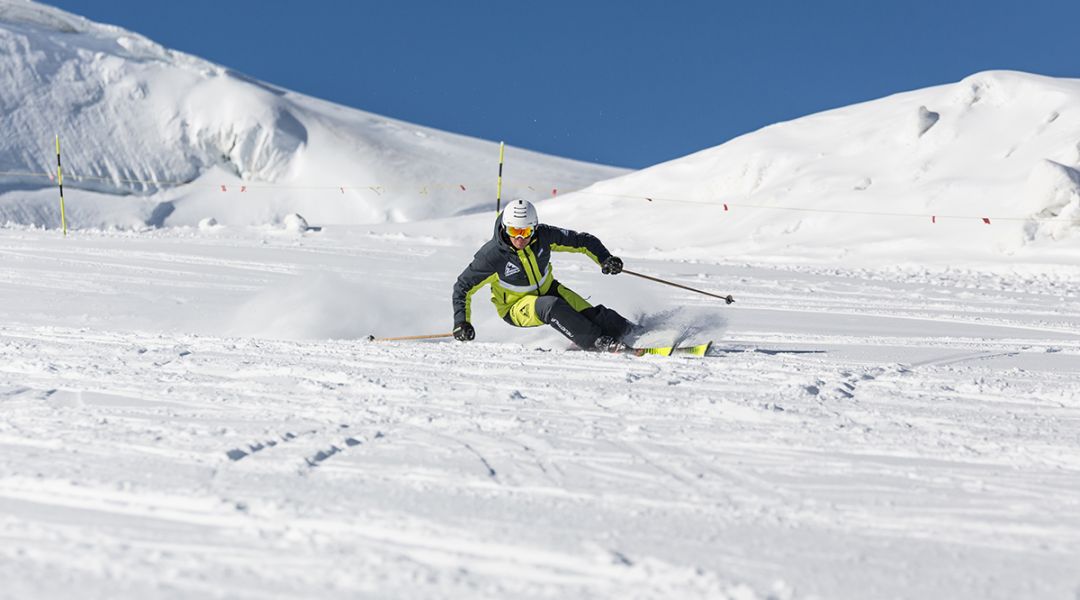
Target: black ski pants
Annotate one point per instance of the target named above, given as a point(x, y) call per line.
point(582, 328)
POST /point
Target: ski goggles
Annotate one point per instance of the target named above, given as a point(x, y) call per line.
point(521, 232)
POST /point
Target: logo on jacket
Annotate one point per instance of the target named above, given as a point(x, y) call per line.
point(511, 269)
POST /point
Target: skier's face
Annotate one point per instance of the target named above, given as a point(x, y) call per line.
point(519, 242)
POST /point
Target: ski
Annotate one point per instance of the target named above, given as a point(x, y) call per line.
point(689, 350)
point(694, 350)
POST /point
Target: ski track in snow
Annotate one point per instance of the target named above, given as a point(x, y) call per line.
point(850, 437)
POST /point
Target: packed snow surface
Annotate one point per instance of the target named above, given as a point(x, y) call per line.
point(195, 412)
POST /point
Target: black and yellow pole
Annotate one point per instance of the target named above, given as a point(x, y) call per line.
point(498, 190)
point(60, 182)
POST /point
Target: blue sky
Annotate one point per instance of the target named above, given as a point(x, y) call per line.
point(626, 83)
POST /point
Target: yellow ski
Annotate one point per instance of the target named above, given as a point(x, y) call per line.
point(695, 350)
point(698, 350)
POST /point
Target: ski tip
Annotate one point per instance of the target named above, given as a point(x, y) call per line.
point(694, 350)
point(702, 349)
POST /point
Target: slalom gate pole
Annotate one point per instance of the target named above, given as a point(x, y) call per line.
point(728, 299)
point(60, 181)
point(498, 189)
point(432, 336)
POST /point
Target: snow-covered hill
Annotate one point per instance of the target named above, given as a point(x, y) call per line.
point(904, 179)
point(984, 171)
point(137, 121)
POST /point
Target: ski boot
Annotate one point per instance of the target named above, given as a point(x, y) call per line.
point(606, 343)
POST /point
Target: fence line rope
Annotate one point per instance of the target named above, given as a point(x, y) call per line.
point(424, 189)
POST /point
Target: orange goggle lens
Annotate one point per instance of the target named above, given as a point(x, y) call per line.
point(521, 232)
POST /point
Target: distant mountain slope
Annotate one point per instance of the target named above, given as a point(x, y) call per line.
point(902, 176)
point(137, 118)
point(980, 170)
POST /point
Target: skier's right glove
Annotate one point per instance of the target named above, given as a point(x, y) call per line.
point(464, 331)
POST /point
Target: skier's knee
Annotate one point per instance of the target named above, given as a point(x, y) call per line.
point(545, 305)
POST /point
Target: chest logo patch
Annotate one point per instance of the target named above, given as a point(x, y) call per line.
point(511, 269)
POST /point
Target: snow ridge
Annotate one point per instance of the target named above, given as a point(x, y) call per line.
point(137, 119)
point(907, 177)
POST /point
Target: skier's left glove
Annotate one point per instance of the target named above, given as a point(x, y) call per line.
point(611, 266)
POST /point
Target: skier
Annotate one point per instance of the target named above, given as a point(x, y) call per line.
point(516, 263)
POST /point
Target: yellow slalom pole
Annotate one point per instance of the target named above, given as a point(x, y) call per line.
point(60, 182)
point(498, 192)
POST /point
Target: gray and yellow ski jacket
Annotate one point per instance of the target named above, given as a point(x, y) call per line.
point(514, 273)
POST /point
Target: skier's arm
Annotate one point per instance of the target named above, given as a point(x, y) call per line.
point(564, 240)
point(474, 277)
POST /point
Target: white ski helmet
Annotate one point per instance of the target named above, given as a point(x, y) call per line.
point(520, 214)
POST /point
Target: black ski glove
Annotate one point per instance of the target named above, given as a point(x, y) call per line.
point(464, 331)
point(611, 266)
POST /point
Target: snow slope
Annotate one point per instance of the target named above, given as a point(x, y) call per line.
point(904, 178)
point(860, 433)
point(190, 411)
point(985, 171)
point(156, 133)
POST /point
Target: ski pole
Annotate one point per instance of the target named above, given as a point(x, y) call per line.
point(372, 338)
point(727, 298)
